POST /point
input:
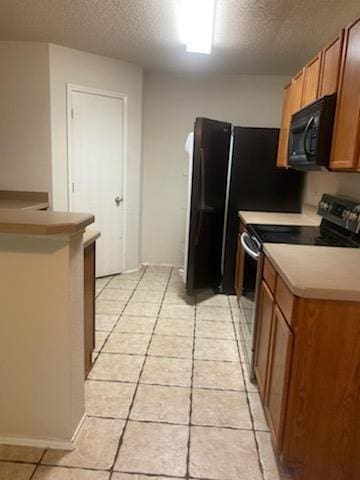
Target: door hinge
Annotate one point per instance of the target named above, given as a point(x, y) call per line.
point(72, 113)
point(73, 187)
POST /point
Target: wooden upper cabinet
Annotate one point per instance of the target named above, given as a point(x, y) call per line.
point(297, 89)
point(346, 140)
point(330, 66)
point(282, 159)
point(311, 81)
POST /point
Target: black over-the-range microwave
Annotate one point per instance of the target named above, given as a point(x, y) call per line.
point(310, 135)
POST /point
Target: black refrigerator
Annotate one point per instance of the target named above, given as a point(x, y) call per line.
point(233, 168)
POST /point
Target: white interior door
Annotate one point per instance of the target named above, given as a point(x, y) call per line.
point(96, 172)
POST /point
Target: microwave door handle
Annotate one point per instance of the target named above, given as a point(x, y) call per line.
point(254, 255)
point(306, 132)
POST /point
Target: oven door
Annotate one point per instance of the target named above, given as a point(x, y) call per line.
point(247, 300)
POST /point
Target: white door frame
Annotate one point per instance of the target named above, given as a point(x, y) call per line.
point(70, 88)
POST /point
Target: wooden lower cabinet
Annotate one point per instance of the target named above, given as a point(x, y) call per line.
point(279, 364)
point(266, 309)
point(307, 363)
point(89, 305)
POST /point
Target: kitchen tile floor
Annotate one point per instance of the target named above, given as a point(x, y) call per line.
point(168, 396)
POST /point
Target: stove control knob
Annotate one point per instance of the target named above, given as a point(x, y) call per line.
point(353, 217)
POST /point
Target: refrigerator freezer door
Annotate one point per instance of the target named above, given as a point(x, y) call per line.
point(208, 194)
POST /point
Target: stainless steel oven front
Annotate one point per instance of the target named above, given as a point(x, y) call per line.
point(248, 300)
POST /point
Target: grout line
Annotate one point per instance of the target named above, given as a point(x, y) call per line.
point(121, 439)
point(191, 394)
point(248, 401)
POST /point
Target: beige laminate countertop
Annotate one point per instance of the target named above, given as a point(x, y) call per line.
point(18, 200)
point(30, 222)
point(308, 216)
point(90, 236)
point(327, 273)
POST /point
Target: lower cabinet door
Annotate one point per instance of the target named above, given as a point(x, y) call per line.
point(281, 349)
point(263, 338)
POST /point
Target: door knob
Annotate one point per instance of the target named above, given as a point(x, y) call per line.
point(118, 200)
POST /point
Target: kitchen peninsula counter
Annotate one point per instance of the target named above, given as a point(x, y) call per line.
point(42, 326)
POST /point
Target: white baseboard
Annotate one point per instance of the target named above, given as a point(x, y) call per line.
point(43, 442)
point(151, 264)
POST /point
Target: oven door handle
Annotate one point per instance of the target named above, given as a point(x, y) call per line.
point(254, 255)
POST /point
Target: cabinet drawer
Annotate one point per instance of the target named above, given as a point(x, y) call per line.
point(285, 299)
point(269, 275)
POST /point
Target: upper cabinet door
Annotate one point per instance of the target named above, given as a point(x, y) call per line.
point(346, 141)
point(330, 66)
point(311, 81)
point(282, 159)
point(297, 89)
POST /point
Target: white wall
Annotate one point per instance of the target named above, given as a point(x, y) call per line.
point(25, 147)
point(317, 183)
point(85, 69)
point(171, 103)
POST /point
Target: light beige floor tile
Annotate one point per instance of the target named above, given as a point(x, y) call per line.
point(215, 349)
point(161, 404)
point(224, 330)
point(131, 343)
point(135, 476)
point(159, 268)
point(142, 309)
point(60, 473)
point(141, 296)
point(122, 283)
point(167, 371)
point(225, 376)
point(110, 366)
point(132, 275)
point(108, 399)
point(14, 453)
point(152, 286)
point(177, 311)
point(219, 454)
point(172, 326)
point(109, 307)
point(100, 337)
point(233, 300)
point(257, 412)
point(105, 322)
point(220, 408)
point(175, 287)
point(267, 457)
point(98, 291)
point(16, 471)
point(115, 294)
point(219, 314)
point(95, 446)
point(171, 346)
point(135, 324)
point(179, 299)
point(207, 300)
point(156, 276)
point(154, 448)
point(102, 281)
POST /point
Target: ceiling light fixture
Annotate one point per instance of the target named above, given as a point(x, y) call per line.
point(197, 25)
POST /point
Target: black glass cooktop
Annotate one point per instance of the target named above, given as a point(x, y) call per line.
point(303, 235)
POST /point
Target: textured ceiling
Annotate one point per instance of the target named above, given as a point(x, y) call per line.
point(251, 36)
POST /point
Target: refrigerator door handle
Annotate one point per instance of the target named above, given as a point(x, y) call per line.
point(253, 254)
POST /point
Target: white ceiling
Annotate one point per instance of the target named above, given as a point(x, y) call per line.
point(251, 36)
